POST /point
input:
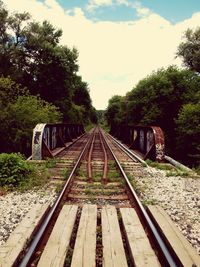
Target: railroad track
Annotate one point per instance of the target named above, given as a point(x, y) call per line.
point(98, 219)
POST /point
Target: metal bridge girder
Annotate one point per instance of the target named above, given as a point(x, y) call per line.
point(50, 137)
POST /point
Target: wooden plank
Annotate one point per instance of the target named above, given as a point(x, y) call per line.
point(139, 246)
point(179, 243)
point(18, 239)
point(85, 246)
point(57, 246)
point(113, 250)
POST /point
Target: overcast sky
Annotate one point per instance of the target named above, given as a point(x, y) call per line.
point(119, 41)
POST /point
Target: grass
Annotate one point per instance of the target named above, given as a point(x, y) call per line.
point(81, 173)
point(97, 176)
point(89, 127)
point(95, 186)
point(144, 165)
point(50, 163)
point(171, 170)
point(197, 170)
point(113, 176)
point(38, 178)
point(160, 166)
point(112, 164)
point(148, 202)
point(66, 174)
point(177, 173)
point(59, 187)
point(138, 189)
point(105, 127)
point(89, 191)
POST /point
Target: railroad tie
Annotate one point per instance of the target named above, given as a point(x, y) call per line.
point(58, 244)
point(113, 250)
point(85, 246)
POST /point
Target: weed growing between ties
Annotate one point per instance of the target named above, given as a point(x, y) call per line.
point(113, 176)
point(50, 163)
point(81, 174)
point(108, 191)
point(66, 173)
point(90, 192)
point(18, 174)
point(138, 189)
point(112, 164)
point(97, 176)
point(148, 202)
point(59, 188)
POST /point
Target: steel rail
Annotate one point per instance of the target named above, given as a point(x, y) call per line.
point(128, 152)
point(31, 249)
point(163, 249)
point(105, 168)
point(89, 163)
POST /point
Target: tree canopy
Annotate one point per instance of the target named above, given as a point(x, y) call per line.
point(35, 70)
point(165, 98)
point(189, 50)
point(31, 55)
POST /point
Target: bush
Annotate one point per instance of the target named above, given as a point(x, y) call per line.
point(19, 120)
point(13, 169)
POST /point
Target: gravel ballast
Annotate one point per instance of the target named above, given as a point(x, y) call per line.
point(180, 198)
point(14, 206)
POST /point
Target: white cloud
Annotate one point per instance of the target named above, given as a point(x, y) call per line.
point(113, 56)
point(137, 6)
point(123, 2)
point(93, 4)
point(140, 10)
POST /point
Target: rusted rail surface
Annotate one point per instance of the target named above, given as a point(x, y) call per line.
point(101, 206)
point(89, 165)
point(105, 169)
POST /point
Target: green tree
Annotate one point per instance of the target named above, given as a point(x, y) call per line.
point(189, 50)
point(10, 91)
point(113, 111)
point(81, 97)
point(157, 99)
point(188, 132)
point(31, 54)
point(19, 117)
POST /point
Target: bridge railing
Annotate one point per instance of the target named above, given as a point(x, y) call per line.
point(49, 139)
point(147, 141)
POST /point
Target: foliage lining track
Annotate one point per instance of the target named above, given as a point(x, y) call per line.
point(99, 187)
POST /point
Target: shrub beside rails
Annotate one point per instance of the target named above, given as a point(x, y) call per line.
point(14, 169)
